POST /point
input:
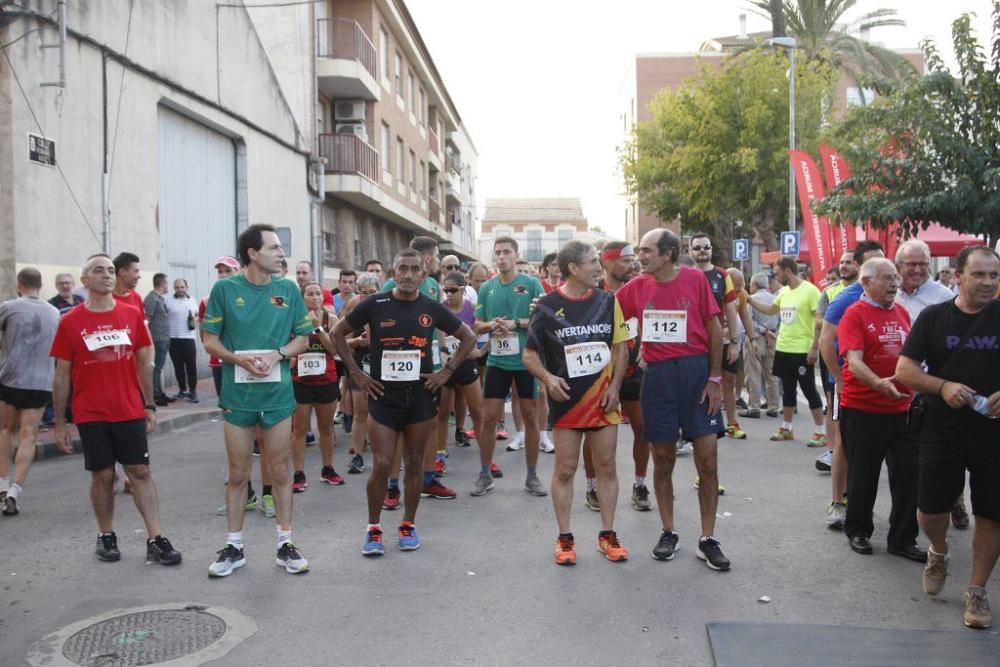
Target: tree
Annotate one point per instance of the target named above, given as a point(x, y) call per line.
point(715, 152)
point(816, 26)
point(929, 150)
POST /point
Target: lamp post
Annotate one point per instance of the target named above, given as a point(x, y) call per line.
point(789, 43)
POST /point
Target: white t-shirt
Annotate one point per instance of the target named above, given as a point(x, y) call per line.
point(179, 310)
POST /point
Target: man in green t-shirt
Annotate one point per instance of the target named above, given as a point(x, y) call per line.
point(503, 310)
point(796, 348)
point(248, 322)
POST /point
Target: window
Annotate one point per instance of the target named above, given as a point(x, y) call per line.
point(565, 236)
point(384, 147)
point(410, 98)
point(420, 110)
point(859, 97)
point(399, 74)
point(383, 53)
point(420, 180)
point(533, 248)
point(400, 164)
point(413, 170)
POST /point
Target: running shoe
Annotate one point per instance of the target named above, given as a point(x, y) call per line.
point(289, 558)
point(251, 503)
point(782, 434)
point(161, 551)
point(545, 443)
point(440, 467)
point(516, 443)
point(935, 573)
point(461, 439)
point(710, 551)
point(495, 471)
point(10, 506)
point(408, 540)
point(740, 403)
point(666, 547)
point(824, 463)
point(356, 465)
point(192, 397)
point(697, 482)
point(818, 440)
point(750, 413)
point(483, 485)
point(977, 609)
point(299, 483)
point(773, 414)
point(533, 485)
point(310, 439)
point(640, 498)
point(338, 418)
point(591, 500)
point(684, 447)
point(471, 434)
point(608, 544)
point(391, 500)
point(107, 548)
point(437, 490)
point(230, 558)
point(330, 476)
point(267, 506)
point(734, 431)
point(565, 551)
point(451, 419)
point(373, 543)
point(502, 433)
point(836, 515)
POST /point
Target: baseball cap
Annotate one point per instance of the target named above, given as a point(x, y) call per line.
point(226, 260)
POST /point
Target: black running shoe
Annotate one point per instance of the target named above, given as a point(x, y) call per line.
point(161, 551)
point(461, 439)
point(230, 558)
point(710, 552)
point(357, 465)
point(107, 547)
point(10, 506)
point(666, 548)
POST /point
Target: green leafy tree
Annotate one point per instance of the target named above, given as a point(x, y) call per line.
point(929, 150)
point(715, 153)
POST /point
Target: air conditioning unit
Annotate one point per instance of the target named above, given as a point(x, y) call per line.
point(357, 129)
point(349, 110)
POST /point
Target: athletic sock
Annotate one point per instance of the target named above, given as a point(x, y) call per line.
point(236, 539)
point(485, 470)
point(284, 536)
point(532, 471)
point(374, 526)
point(640, 481)
point(565, 536)
point(590, 484)
point(821, 429)
point(14, 490)
point(786, 425)
point(428, 478)
point(4, 484)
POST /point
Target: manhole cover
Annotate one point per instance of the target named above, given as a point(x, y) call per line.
point(144, 638)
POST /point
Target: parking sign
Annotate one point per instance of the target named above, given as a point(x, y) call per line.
point(790, 243)
point(741, 250)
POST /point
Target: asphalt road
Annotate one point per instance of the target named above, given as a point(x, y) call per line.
point(483, 589)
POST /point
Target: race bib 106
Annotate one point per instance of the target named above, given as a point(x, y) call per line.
point(401, 365)
point(109, 338)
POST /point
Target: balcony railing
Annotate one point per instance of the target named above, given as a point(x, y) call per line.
point(433, 140)
point(348, 154)
point(345, 39)
point(435, 212)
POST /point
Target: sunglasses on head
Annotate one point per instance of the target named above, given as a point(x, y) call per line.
point(452, 290)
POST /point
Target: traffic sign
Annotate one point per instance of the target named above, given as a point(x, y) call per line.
point(741, 250)
point(790, 243)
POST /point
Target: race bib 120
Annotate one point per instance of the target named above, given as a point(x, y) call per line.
point(401, 365)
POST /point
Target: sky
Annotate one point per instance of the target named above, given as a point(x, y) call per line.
point(539, 84)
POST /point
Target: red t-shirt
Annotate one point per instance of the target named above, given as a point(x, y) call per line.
point(690, 304)
point(878, 334)
point(327, 296)
point(311, 364)
point(549, 289)
point(101, 347)
point(213, 362)
point(133, 299)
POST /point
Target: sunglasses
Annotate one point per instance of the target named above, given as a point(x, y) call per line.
point(701, 247)
point(452, 290)
point(451, 267)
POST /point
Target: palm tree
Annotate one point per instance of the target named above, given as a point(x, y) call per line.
point(816, 26)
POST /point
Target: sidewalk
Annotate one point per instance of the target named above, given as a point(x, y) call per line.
point(178, 414)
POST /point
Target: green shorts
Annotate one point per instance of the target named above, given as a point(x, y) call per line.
point(251, 418)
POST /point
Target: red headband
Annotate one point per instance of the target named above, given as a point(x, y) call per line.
point(615, 253)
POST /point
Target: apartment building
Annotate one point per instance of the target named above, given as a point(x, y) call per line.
point(648, 74)
point(398, 160)
point(539, 226)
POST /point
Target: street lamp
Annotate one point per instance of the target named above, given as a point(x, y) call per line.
point(789, 43)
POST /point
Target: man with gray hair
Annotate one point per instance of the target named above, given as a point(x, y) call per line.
point(758, 353)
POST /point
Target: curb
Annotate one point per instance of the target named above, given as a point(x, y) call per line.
point(48, 450)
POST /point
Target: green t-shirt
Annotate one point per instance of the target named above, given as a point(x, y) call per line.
point(798, 317)
point(429, 288)
point(256, 317)
point(511, 301)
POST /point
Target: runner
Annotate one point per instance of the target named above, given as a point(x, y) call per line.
point(304, 275)
point(374, 267)
point(368, 284)
point(681, 387)
point(552, 276)
point(403, 399)
point(345, 290)
point(960, 424)
point(247, 324)
point(503, 311)
point(315, 384)
point(103, 346)
point(127, 276)
point(27, 326)
point(579, 332)
point(450, 263)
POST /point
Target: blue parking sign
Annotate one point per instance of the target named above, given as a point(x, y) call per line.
point(790, 243)
point(741, 250)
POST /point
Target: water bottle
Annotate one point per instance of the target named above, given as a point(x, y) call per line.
point(981, 405)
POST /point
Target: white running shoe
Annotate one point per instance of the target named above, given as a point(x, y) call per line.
point(515, 443)
point(545, 443)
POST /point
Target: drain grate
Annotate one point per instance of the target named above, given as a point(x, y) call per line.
point(144, 638)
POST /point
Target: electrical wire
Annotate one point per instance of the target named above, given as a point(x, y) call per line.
point(18, 39)
point(118, 111)
point(289, 3)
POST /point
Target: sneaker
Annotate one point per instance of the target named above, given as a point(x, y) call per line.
point(437, 490)
point(782, 434)
point(348, 423)
point(667, 547)
point(684, 447)
point(299, 483)
point(565, 551)
point(935, 573)
point(440, 467)
point(959, 517)
point(483, 485)
point(836, 515)
point(230, 558)
point(330, 476)
point(545, 443)
point(818, 440)
point(825, 461)
point(750, 413)
point(533, 485)
point(734, 431)
point(180, 396)
point(640, 498)
point(356, 465)
point(192, 397)
point(471, 434)
point(338, 418)
point(502, 433)
point(697, 483)
point(608, 544)
point(710, 551)
point(267, 506)
point(251, 503)
point(10, 506)
point(977, 609)
point(373, 543)
point(773, 414)
point(391, 500)
point(256, 448)
point(591, 500)
point(461, 440)
point(408, 540)
point(161, 551)
point(451, 419)
point(107, 548)
point(289, 558)
point(310, 439)
point(516, 443)
point(495, 471)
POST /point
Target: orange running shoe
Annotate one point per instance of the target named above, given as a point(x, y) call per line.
point(608, 544)
point(565, 554)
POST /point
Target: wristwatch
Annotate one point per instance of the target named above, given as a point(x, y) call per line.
point(281, 354)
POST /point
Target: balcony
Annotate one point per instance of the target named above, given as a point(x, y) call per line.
point(352, 168)
point(435, 213)
point(453, 187)
point(345, 68)
point(434, 157)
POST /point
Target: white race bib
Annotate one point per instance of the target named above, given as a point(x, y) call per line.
point(366, 368)
point(586, 358)
point(436, 352)
point(451, 345)
point(243, 376)
point(312, 363)
point(787, 314)
point(109, 338)
point(505, 344)
point(633, 327)
point(400, 365)
point(664, 326)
